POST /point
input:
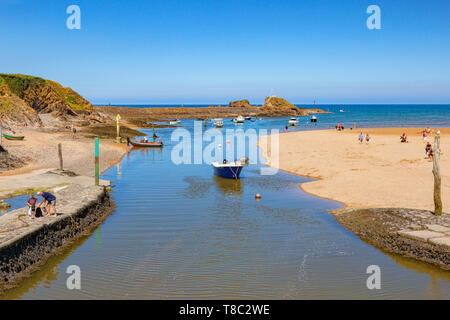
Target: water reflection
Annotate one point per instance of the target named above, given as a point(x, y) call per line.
point(181, 232)
point(229, 186)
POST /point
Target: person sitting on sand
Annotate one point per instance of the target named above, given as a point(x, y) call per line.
point(50, 199)
point(361, 137)
point(31, 203)
point(367, 138)
point(403, 138)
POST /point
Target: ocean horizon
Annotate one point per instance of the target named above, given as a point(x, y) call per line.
point(363, 115)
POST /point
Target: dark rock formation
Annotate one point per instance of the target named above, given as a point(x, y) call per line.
point(240, 104)
point(275, 106)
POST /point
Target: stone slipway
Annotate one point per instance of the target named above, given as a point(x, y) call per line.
point(26, 244)
point(38, 179)
point(413, 233)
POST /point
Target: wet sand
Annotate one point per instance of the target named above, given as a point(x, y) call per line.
point(40, 150)
point(382, 174)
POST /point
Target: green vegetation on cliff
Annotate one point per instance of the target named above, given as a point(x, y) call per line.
point(23, 97)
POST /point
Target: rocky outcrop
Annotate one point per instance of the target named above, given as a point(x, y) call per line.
point(275, 106)
point(240, 104)
point(23, 98)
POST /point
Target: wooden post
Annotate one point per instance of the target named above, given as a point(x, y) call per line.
point(119, 140)
point(97, 171)
point(437, 177)
point(60, 157)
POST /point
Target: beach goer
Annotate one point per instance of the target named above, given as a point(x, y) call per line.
point(427, 149)
point(128, 141)
point(403, 138)
point(50, 201)
point(342, 127)
point(430, 154)
point(425, 135)
point(31, 203)
point(361, 137)
point(74, 132)
point(367, 138)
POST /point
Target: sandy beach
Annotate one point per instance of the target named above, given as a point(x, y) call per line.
point(382, 174)
point(40, 150)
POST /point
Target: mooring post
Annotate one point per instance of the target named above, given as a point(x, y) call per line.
point(119, 140)
point(96, 162)
point(60, 157)
point(437, 176)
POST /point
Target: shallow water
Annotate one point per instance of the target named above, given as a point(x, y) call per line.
point(180, 232)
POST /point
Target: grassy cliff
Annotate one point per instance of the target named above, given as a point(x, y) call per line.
point(23, 98)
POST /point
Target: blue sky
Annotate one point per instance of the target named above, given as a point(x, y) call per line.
point(216, 51)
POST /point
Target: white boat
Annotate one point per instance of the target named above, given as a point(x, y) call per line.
point(218, 123)
point(313, 119)
point(239, 119)
point(293, 121)
point(174, 121)
point(342, 110)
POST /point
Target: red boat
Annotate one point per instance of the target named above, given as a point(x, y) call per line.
point(148, 144)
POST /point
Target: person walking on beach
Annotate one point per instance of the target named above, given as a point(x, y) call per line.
point(50, 199)
point(361, 137)
point(427, 149)
point(367, 138)
point(74, 132)
point(31, 203)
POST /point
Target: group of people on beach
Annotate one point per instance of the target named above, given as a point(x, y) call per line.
point(47, 197)
point(340, 127)
point(361, 138)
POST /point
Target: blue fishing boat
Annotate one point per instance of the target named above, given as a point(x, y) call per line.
point(230, 170)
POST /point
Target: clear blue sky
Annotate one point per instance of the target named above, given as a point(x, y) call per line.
point(215, 51)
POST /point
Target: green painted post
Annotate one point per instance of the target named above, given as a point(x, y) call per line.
point(96, 162)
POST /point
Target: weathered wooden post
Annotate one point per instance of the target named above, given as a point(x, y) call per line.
point(60, 157)
point(97, 171)
point(118, 128)
point(437, 177)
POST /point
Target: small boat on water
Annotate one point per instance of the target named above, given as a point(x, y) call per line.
point(313, 119)
point(148, 144)
point(293, 121)
point(174, 121)
point(239, 119)
point(8, 137)
point(218, 123)
point(230, 170)
point(342, 110)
